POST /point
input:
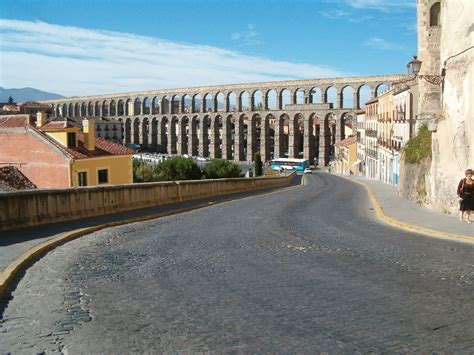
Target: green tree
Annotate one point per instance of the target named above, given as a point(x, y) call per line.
point(142, 172)
point(10, 100)
point(220, 169)
point(258, 164)
point(177, 168)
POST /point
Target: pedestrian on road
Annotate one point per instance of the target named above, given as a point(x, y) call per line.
point(466, 197)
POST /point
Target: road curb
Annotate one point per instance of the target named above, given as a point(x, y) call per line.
point(406, 226)
point(27, 258)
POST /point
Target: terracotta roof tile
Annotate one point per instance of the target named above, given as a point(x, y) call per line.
point(58, 125)
point(14, 121)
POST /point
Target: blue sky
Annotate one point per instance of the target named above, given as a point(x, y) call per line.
point(101, 46)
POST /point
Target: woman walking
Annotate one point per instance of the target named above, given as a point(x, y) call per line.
point(466, 197)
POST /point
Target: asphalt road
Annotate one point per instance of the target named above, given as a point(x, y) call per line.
point(304, 270)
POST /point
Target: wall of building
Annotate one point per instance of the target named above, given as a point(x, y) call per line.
point(120, 170)
point(32, 208)
point(41, 163)
point(453, 140)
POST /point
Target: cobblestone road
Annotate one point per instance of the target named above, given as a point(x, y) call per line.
point(304, 270)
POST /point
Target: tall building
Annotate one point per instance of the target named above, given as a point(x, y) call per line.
point(371, 151)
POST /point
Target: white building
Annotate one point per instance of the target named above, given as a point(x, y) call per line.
point(371, 125)
point(360, 162)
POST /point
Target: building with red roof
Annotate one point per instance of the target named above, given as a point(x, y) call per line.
point(59, 154)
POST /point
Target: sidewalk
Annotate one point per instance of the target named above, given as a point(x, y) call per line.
point(14, 244)
point(409, 212)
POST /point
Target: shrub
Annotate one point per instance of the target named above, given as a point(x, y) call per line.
point(258, 165)
point(177, 168)
point(419, 147)
point(142, 172)
point(220, 169)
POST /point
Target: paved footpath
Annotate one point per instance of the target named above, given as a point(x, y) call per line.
point(409, 212)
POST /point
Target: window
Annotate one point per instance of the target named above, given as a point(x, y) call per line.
point(82, 178)
point(71, 139)
point(103, 176)
point(435, 12)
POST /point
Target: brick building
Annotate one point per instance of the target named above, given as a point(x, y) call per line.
point(58, 154)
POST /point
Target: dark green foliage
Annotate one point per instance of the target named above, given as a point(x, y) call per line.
point(258, 165)
point(419, 147)
point(142, 172)
point(177, 168)
point(220, 169)
point(10, 100)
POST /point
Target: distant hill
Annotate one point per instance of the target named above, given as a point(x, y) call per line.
point(26, 94)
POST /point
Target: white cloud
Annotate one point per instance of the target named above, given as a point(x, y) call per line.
point(247, 37)
point(382, 5)
point(334, 14)
point(76, 61)
point(380, 43)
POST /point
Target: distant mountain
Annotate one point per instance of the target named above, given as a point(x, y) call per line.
point(26, 94)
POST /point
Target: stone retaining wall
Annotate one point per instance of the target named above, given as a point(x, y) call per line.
point(33, 208)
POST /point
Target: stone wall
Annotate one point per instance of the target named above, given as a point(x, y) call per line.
point(453, 141)
point(32, 208)
point(415, 182)
point(445, 46)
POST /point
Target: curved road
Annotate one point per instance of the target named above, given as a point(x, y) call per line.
point(304, 270)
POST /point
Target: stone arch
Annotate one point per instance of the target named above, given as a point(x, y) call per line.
point(208, 102)
point(232, 102)
point(97, 109)
point(193, 141)
point(267, 134)
point(284, 98)
point(155, 105)
point(330, 123)
point(182, 133)
point(380, 88)
point(172, 134)
point(113, 108)
point(144, 132)
point(105, 108)
point(165, 105)
point(77, 110)
point(315, 96)
point(364, 94)
point(435, 14)
point(136, 131)
point(65, 112)
point(219, 102)
point(215, 137)
point(244, 101)
point(257, 101)
point(175, 104)
point(153, 133)
point(120, 108)
point(163, 135)
point(330, 96)
point(128, 107)
point(196, 103)
point(282, 133)
point(228, 136)
point(186, 103)
point(146, 109)
point(271, 100)
point(83, 109)
point(90, 109)
point(137, 106)
point(347, 97)
point(298, 96)
point(128, 131)
point(348, 119)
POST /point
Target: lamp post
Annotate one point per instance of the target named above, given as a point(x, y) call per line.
point(414, 67)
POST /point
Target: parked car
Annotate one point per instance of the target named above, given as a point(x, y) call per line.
point(307, 171)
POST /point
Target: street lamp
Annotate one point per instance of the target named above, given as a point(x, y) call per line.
point(414, 67)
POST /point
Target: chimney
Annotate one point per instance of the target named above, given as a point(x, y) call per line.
point(88, 130)
point(41, 118)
